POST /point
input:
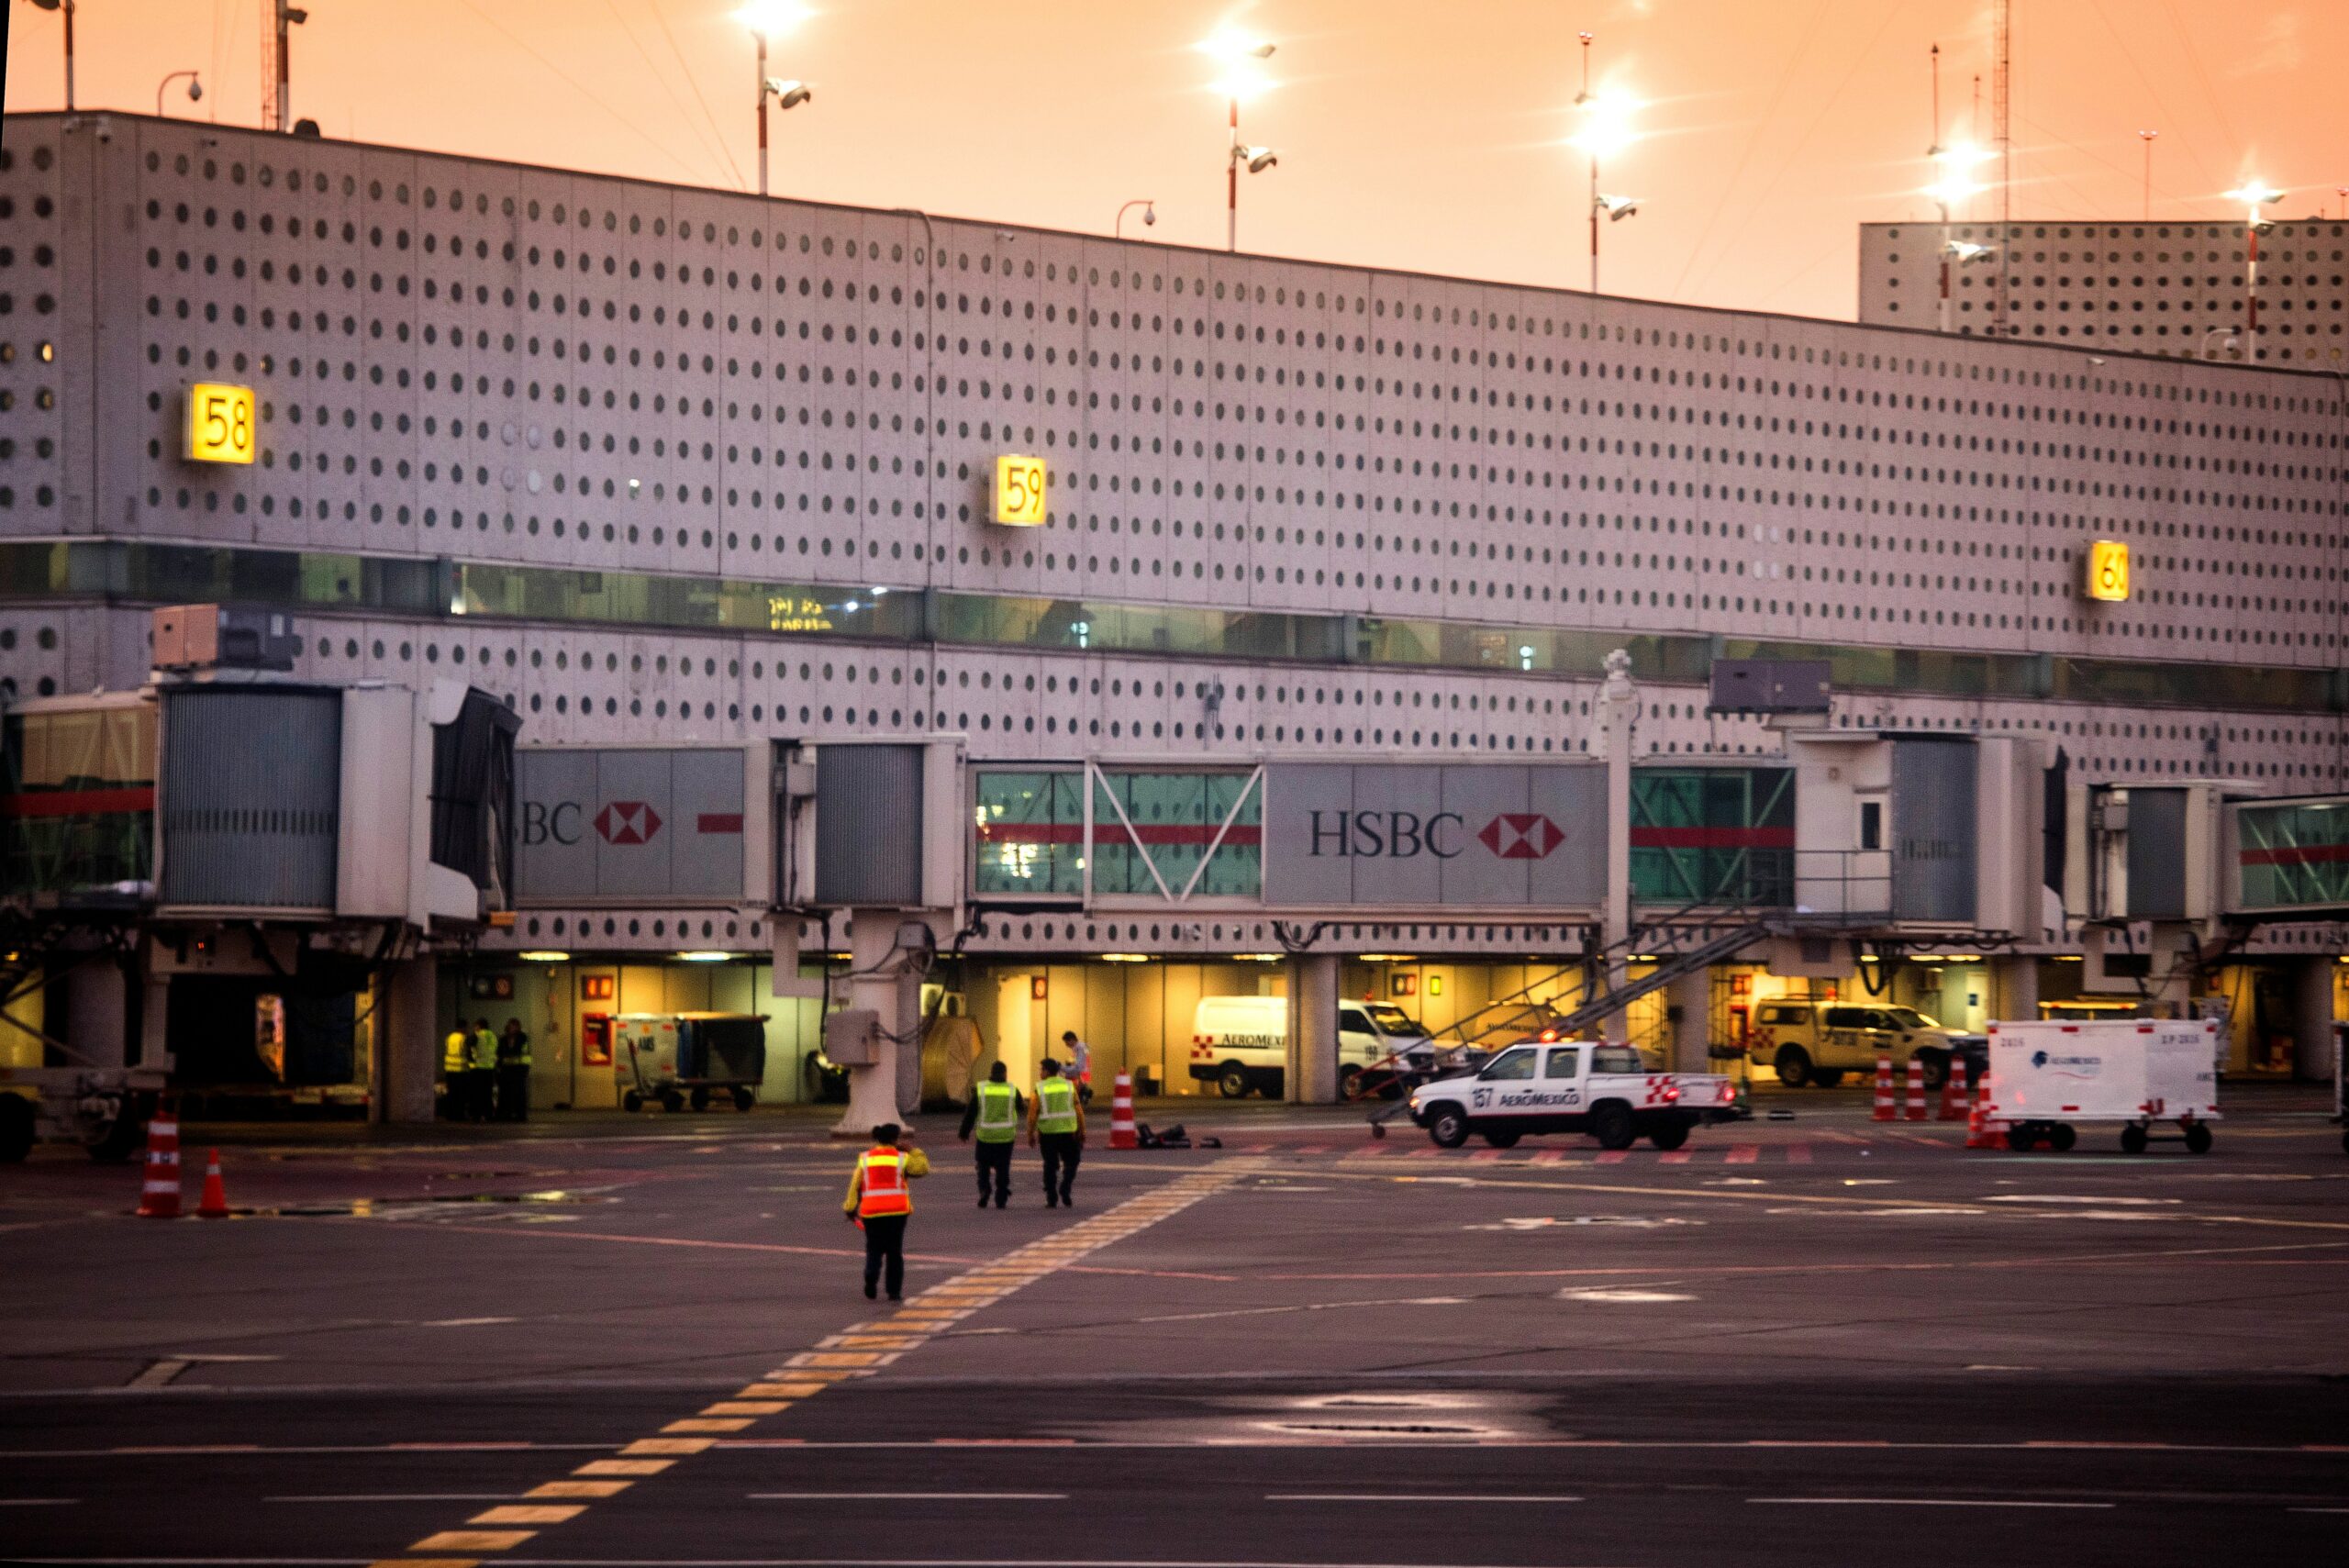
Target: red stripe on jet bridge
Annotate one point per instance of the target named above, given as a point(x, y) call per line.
point(1110, 833)
point(719, 822)
point(2297, 855)
point(1712, 837)
point(77, 802)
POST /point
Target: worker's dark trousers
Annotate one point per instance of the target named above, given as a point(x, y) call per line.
point(513, 1093)
point(884, 1243)
point(995, 1171)
point(1061, 1152)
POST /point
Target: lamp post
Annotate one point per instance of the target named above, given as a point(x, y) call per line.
point(195, 89)
point(66, 6)
point(2146, 212)
point(1955, 185)
point(1240, 79)
point(2254, 195)
point(766, 18)
point(1148, 214)
point(1606, 130)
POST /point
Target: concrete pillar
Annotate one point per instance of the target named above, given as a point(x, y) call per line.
point(154, 1022)
point(1612, 715)
point(97, 1012)
point(880, 981)
point(407, 1042)
point(2312, 1020)
point(2014, 988)
point(1311, 1078)
point(1689, 1005)
point(2173, 948)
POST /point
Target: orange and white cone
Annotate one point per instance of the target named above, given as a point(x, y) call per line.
point(1121, 1113)
point(214, 1202)
point(1982, 1131)
point(1953, 1091)
point(1885, 1110)
point(159, 1193)
point(1916, 1090)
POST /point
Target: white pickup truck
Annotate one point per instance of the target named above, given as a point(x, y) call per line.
point(1551, 1086)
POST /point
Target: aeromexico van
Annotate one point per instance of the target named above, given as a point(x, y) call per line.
point(1241, 1043)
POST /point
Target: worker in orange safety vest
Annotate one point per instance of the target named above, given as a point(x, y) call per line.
point(879, 1202)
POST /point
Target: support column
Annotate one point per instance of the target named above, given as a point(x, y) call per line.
point(2173, 951)
point(2312, 1020)
point(2014, 988)
point(97, 1012)
point(1613, 711)
point(1689, 1005)
point(407, 1046)
point(880, 981)
point(1311, 1077)
point(154, 1021)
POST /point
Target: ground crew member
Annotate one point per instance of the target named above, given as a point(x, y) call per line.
point(514, 1073)
point(456, 1062)
point(993, 1111)
point(880, 1202)
point(1056, 1122)
point(1080, 1065)
point(485, 1070)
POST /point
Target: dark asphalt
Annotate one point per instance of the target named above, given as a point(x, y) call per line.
point(1823, 1341)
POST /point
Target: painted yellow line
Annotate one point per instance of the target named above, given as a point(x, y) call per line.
point(782, 1390)
point(746, 1408)
point(579, 1489)
point(668, 1445)
point(703, 1424)
point(528, 1514)
point(474, 1540)
point(624, 1467)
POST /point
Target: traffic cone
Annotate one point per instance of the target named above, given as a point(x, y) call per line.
point(214, 1202)
point(1916, 1090)
point(1980, 1133)
point(1886, 1110)
point(159, 1193)
point(1121, 1114)
point(1953, 1091)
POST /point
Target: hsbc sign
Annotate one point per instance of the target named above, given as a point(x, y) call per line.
point(1513, 836)
point(620, 825)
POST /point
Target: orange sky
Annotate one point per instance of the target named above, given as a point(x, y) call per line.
point(1411, 135)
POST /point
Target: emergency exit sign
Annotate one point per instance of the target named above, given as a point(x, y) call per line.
point(2108, 579)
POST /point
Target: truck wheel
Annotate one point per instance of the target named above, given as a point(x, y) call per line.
point(1669, 1134)
point(1503, 1139)
point(1448, 1125)
point(701, 1099)
point(1826, 1077)
point(1936, 1065)
point(17, 1121)
point(1612, 1124)
point(2197, 1140)
point(672, 1101)
point(1794, 1066)
point(631, 1101)
point(1349, 1084)
point(2134, 1139)
point(2021, 1136)
point(122, 1139)
point(2062, 1137)
point(743, 1099)
point(1231, 1082)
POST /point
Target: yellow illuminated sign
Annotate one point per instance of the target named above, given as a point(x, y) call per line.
point(219, 423)
point(2108, 570)
point(1019, 491)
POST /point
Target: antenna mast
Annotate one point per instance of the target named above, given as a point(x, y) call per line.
point(2002, 110)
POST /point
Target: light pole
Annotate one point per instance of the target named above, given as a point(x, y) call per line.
point(195, 89)
point(1955, 185)
point(1240, 79)
point(1148, 214)
point(2146, 211)
point(67, 7)
point(1606, 130)
point(766, 18)
point(2254, 195)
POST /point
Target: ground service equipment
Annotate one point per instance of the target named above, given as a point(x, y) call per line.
point(2047, 1078)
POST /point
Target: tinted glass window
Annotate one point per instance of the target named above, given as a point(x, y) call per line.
point(1564, 1062)
point(1511, 1064)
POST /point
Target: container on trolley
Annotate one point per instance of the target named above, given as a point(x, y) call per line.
point(681, 1059)
point(2147, 1074)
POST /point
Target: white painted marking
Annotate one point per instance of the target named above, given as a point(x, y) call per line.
point(1918, 1503)
point(1622, 1296)
point(2056, 1197)
point(464, 1322)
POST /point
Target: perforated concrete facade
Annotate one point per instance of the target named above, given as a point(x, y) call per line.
point(476, 363)
point(2172, 289)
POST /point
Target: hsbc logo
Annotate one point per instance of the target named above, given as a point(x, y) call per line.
point(1521, 836)
point(1406, 835)
point(626, 822)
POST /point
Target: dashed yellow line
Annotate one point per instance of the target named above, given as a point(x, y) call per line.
point(858, 1350)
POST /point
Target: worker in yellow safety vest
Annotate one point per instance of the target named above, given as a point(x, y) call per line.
point(456, 1061)
point(1056, 1122)
point(880, 1203)
point(484, 1075)
point(994, 1115)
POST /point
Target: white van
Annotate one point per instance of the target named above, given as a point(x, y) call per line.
point(1241, 1043)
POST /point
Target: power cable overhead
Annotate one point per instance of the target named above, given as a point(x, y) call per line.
point(692, 83)
point(581, 88)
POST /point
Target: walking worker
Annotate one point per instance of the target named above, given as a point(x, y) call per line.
point(514, 1073)
point(484, 1075)
point(993, 1112)
point(880, 1203)
point(456, 1061)
point(1080, 1065)
point(1056, 1122)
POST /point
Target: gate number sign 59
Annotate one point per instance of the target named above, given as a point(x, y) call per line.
point(219, 423)
point(1019, 491)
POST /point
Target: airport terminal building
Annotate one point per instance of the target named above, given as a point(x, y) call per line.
point(683, 477)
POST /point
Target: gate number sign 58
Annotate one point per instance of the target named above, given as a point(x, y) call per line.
point(219, 423)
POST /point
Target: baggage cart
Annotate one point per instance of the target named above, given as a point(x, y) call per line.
point(681, 1059)
point(2147, 1075)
